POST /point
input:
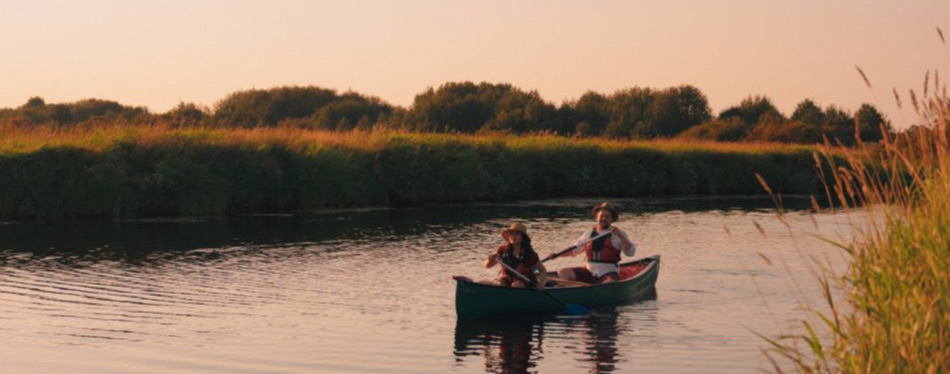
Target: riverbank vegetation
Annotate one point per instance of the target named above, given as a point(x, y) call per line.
point(301, 148)
point(897, 317)
point(135, 170)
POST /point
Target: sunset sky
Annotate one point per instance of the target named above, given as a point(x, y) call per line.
point(160, 53)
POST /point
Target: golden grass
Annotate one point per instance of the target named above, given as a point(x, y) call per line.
point(898, 284)
point(102, 136)
point(98, 137)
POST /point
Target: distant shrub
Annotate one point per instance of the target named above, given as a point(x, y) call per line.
point(36, 111)
point(731, 129)
point(788, 132)
point(351, 111)
point(186, 114)
point(266, 108)
point(753, 110)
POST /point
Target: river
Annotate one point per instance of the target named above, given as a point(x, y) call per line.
point(371, 291)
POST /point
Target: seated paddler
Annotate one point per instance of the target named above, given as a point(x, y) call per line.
point(517, 253)
point(602, 247)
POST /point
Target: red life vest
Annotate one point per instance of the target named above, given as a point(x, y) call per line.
point(524, 264)
point(602, 250)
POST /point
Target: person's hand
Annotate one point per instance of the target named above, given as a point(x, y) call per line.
point(540, 285)
point(491, 260)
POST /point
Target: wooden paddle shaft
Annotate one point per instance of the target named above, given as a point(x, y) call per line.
point(519, 275)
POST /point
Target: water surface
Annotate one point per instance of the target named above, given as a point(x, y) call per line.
point(370, 291)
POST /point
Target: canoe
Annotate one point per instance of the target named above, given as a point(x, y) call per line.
point(478, 300)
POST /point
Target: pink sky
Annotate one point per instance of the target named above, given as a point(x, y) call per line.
point(159, 53)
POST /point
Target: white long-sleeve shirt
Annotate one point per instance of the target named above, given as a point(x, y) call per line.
point(599, 268)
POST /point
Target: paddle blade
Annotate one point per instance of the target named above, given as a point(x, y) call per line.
point(576, 310)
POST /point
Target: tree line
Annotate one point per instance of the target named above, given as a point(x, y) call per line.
point(681, 112)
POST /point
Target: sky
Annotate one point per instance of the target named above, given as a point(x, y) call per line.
point(160, 53)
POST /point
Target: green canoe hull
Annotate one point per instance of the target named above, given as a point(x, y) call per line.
point(477, 300)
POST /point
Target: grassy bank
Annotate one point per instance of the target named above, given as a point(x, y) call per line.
point(118, 171)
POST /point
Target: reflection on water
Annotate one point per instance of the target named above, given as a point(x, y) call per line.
point(508, 346)
point(514, 345)
point(372, 291)
point(600, 340)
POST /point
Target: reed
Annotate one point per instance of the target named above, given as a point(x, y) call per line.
point(119, 170)
point(897, 316)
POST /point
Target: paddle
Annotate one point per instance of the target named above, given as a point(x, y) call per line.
point(551, 257)
point(571, 308)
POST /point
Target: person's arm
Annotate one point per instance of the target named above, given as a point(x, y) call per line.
point(626, 245)
point(492, 259)
point(578, 247)
point(542, 275)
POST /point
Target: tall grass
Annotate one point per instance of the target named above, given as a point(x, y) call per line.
point(120, 171)
point(898, 284)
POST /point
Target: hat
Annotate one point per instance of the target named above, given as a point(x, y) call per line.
point(515, 226)
point(610, 208)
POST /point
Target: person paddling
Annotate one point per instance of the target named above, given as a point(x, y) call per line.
point(602, 254)
point(518, 254)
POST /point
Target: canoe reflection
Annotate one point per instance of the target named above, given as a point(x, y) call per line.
point(517, 345)
point(509, 346)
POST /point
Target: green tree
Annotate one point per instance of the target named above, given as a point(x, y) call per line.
point(60, 114)
point(468, 107)
point(85, 109)
point(455, 106)
point(636, 112)
point(35, 102)
point(186, 114)
point(591, 111)
point(34, 111)
point(839, 125)
point(808, 112)
point(630, 112)
point(37, 111)
point(350, 111)
point(268, 107)
point(676, 109)
point(751, 110)
point(870, 123)
point(521, 112)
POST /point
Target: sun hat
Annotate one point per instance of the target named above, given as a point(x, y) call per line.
point(515, 226)
point(610, 208)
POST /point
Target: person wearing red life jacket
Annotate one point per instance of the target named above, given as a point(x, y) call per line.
point(518, 254)
point(603, 254)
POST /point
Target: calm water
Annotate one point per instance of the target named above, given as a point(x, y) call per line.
point(371, 291)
